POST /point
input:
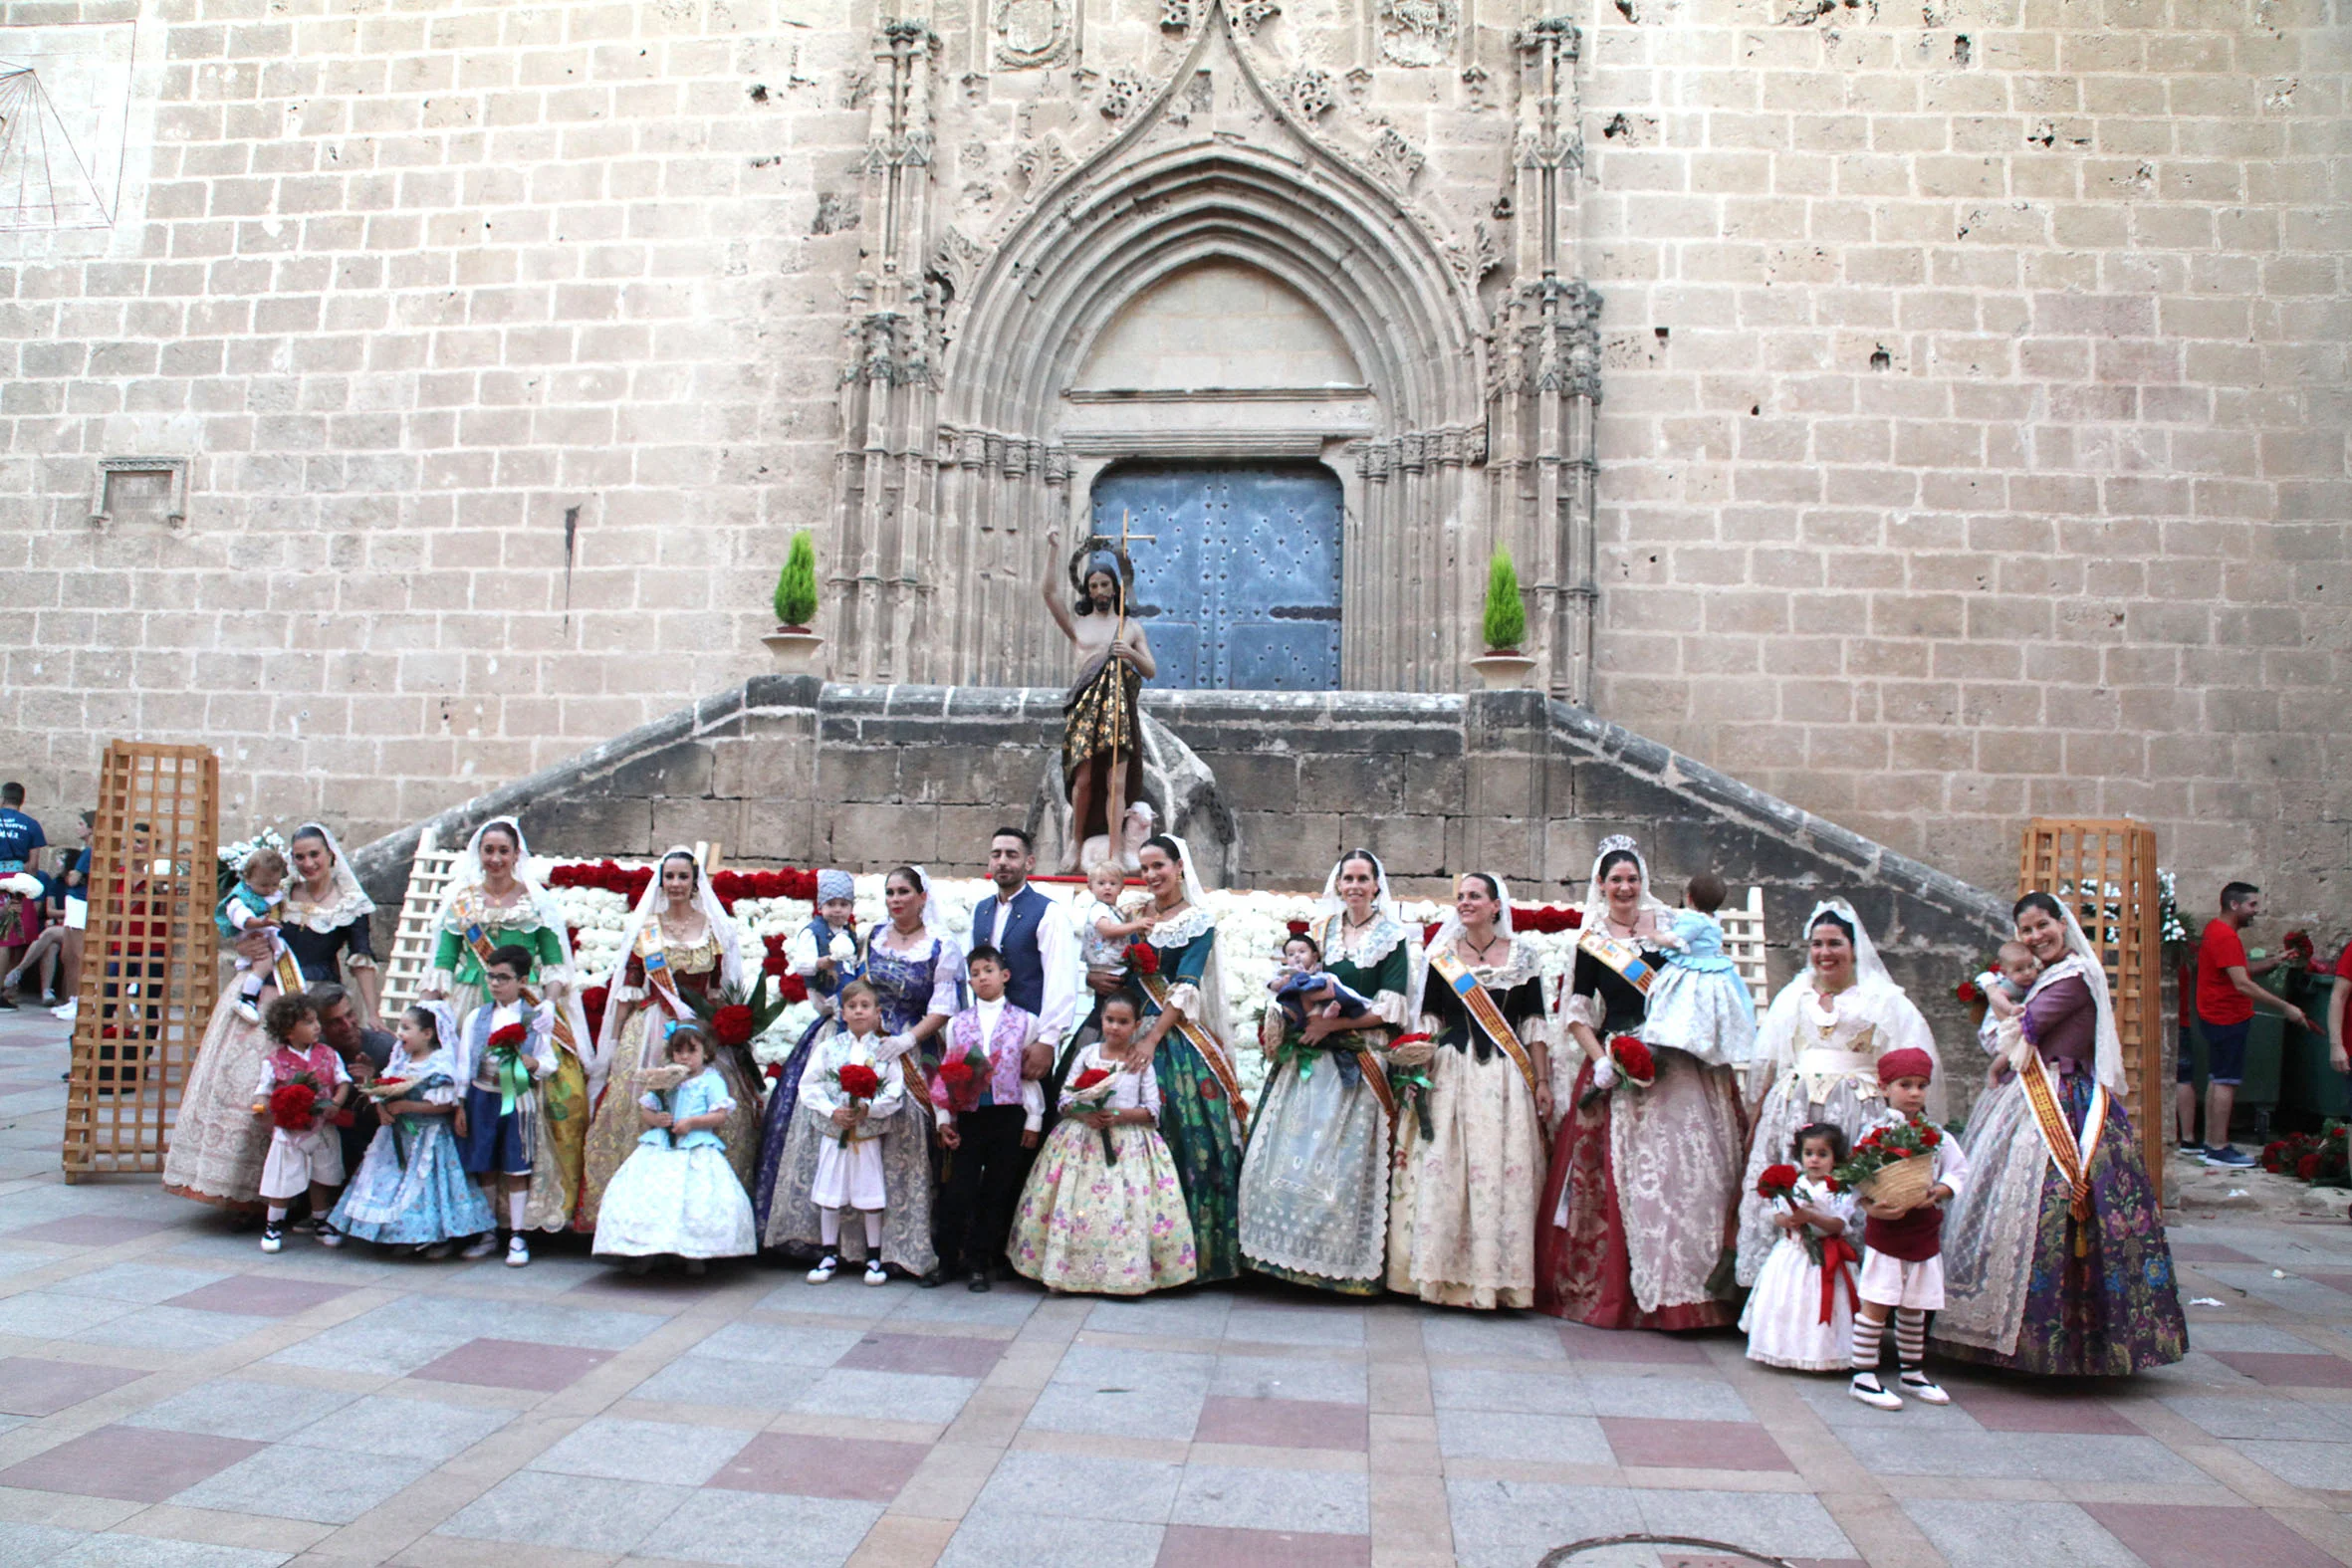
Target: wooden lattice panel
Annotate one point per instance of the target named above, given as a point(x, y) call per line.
point(2105, 872)
point(1744, 944)
point(413, 938)
point(148, 971)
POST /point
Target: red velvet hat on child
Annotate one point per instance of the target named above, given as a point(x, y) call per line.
point(1909, 1062)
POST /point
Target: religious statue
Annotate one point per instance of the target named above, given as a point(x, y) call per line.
point(1101, 732)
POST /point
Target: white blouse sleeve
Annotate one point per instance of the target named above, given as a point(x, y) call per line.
point(1147, 1090)
point(947, 978)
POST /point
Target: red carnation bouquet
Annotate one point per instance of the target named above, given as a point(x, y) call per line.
point(1087, 1091)
point(296, 1104)
point(1636, 1068)
point(1894, 1165)
point(857, 1081)
point(2300, 951)
point(1143, 957)
point(1778, 1181)
point(960, 1078)
point(736, 1016)
point(732, 1024)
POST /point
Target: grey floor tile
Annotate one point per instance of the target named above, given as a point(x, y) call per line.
point(845, 1298)
point(1081, 1487)
point(293, 1483)
point(696, 1379)
point(1327, 1502)
point(2253, 1336)
point(1007, 1306)
point(1532, 1393)
point(762, 1530)
point(1116, 1409)
point(643, 1450)
point(1973, 1534)
point(2299, 1421)
point(539, 1509)
point(241, 1408)
point(546, 1323)
point(173, 1328)
point(1511, 1525)
point(32, 1544)
point(1666, 1398)
point(1531, 1338)
point(1289, 1377)
point(1781, 1523)
point(1838, 1407)
point(2322, 1467)
point(1105, 1366)
point(898, 1395)
point(1197, 1314)
point(145, 1551)
point(2029, 1456)
point(1512, 1435)
point(390, 1341)
point(55, 1314)
point(149, 1285)
point(1335, 1326)
point(1002, 1540)
point(408, 1429)
point(780, 1344)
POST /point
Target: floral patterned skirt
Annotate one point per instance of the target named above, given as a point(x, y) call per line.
point(1088, 1224)
point(1461, 1231)
point(1195, 1123)
point(2017, 1295)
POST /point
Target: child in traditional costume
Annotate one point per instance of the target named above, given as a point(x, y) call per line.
point(303, 1085)
point(411, 1190)
point(1802, 1314)
point(1904, 1270)
point(857, 1085)
point(1103, 1210)
point(989, 1118)
point(254, 903)
point(1699, 1003)
point(676, 1194)
point(506, 1056)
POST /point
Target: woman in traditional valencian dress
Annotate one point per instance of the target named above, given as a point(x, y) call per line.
point(1644, 1184)
point(491, 904)
point(219, 1146)
point(680, 946)
point(1315, 1177)
point(1185, 1019)
point(917, 973)
point(1463, 1231)
point(1099, 718)
point(1818, 1058)
point(2055, 1254)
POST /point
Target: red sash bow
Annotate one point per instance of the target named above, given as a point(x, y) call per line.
point(1838, 1259)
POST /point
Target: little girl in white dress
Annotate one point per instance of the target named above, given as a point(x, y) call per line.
point(676, 1194)
point(1784, 1321)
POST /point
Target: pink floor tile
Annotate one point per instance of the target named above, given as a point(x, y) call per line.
point(2167, 1536)
point(1284, 1423)
point(514, 1364)
point(29, 1387)
point(2280, 1369)
point(2207, 1252)
point(1204, 1546)
point(1585, 1343)
point(937, 1354)
point(129, 1464)
point(1693, 1445)
point(260, 1295)
point(89, 1231)
point(859, 1468)
point(2003, 1409)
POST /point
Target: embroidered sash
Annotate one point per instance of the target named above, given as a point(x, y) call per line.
point(2072, 1155)
point(480, 944)
point(1623, 956)
point(658, 974)
point(1156, 988)
point(289, 975)
point(1367, 1060)
point(1480, 1004)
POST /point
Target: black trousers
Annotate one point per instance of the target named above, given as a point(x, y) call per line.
point(983, 1183)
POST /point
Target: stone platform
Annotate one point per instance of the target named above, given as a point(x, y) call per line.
point(170, 1397)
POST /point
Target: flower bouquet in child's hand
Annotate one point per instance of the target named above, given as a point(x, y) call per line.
point(960, 1081)
point(661, 1079)
point(1894, 1166)
point(297, 1104)
point(387, 1089)
point(1632, 1065)
point(1087, 1091)
point(1778, 1185)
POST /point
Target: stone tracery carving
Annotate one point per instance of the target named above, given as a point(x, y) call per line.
point(1031, 32)
point(1310, 92)
point(1418, 32)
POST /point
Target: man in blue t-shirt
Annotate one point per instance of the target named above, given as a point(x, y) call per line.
point(20, 916)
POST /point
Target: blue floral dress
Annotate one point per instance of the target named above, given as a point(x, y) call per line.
point(411, 1190)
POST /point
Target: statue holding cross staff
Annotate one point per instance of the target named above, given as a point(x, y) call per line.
point(1101, 732)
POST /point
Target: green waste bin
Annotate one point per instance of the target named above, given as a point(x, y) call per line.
point(2309, 1088)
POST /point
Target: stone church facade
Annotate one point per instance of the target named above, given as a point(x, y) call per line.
point(1933, 415)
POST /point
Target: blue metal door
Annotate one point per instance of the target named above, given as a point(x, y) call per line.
point(1239, 588)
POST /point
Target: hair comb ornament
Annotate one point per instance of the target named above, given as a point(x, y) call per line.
point(1614, 842)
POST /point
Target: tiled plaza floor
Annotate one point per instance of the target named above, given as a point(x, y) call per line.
point(169, 1396)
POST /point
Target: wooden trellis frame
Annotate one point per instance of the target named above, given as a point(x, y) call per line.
point(2105, 871)
point(149, 975)
point(1744, 944)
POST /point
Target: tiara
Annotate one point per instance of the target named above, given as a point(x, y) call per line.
point(1614, 842)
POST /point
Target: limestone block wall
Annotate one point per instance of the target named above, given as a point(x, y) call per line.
point(1971, 441)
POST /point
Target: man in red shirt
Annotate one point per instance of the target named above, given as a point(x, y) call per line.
point(2225, 997)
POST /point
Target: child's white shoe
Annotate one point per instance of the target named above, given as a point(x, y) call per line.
point(249, 1009)
point(329, 1236)
point(273, 1237)
point(875, 1274)
point(827, 1266)
point(1873, 1393)
point(1917, 1385)
point(481, 1247)
point(518, 1251)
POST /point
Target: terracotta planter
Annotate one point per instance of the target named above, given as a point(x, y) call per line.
point(798, 651)
point(1504, 669)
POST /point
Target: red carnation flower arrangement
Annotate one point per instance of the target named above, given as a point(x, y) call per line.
point(857, 1081)
point(1143, 957)
point(510, 1037)
point(1636, 1068)
point(594, 1001)
point(1094, 1082)
point(960, 1078)
point(1778, 1181)
point(1967, 993)
point(295, 1104)
point(732, 1024)
point(1885, 1149)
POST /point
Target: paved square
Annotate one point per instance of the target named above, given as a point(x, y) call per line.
point(169, 1396)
